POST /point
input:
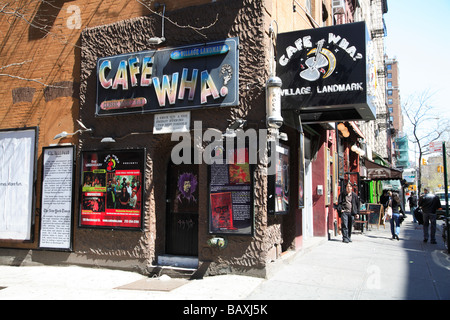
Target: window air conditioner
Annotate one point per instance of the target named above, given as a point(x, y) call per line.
point(338, 6)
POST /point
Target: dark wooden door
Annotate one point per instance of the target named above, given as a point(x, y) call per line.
point(182, 210)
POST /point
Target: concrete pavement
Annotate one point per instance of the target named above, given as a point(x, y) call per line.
point(372, 267)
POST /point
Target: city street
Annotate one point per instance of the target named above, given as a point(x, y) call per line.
point(372, 267)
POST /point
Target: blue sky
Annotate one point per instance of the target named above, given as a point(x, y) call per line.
point(417, 35)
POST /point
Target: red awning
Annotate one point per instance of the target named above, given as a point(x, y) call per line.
point(356, 129)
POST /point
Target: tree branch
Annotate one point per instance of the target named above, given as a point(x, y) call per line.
point(196, 29)
point(22, 78)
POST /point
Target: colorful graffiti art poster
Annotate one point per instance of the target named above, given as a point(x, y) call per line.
point(221, 211)
point(111, 190)
point(231, 195)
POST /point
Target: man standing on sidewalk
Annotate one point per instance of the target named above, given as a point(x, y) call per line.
point(348, 209)
point(412, 201)
point(429, 204)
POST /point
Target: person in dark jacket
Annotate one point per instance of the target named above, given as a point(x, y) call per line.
point(348, 209)
point(384, 199)
point(397, 208)
point(412, 201)
point(429, 204)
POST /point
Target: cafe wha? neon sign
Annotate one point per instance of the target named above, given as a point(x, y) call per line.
point(189, 77)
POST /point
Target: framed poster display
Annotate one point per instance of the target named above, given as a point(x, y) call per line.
point(231, 193)
point(301, 172)
point(278, 184)
point(18, 158)
point(112, 189)
point(335, 177)
point(327, 184)
point(57, 198)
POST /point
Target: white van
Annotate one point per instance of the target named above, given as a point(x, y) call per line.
point(441, 195)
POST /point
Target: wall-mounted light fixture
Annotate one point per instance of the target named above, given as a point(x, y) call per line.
point(159, 40)
point(283, 136)
point(65, 134)
point(218, 242)
point(344, 130)
point(357, 150)
point(273, 103)
point(234, 125)
point(273, 90)
point(108, 140)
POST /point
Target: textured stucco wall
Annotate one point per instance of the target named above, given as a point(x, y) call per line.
point(235, 18)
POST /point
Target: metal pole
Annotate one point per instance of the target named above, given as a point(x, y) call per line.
point(444, 155)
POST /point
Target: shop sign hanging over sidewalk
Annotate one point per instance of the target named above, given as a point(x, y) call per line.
point(328, 73)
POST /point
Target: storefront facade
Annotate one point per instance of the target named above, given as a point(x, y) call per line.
point(129, 202)
point(150, 105)
point(220, 79)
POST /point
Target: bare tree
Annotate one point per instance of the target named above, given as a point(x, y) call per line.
point(426, 124)
point(23, 11)
point(42, 25)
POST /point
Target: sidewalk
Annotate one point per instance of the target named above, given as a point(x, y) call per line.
point(371, 267)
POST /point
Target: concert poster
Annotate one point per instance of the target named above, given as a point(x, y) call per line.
point(112, 189)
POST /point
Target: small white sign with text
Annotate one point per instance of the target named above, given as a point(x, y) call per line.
point(172, 122)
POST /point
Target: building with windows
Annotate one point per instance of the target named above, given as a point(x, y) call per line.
point(399, 141)
point(112, 113)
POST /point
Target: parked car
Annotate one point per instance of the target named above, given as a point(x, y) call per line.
point(441, 195)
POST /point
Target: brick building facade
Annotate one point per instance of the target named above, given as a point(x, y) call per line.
point(50, 58)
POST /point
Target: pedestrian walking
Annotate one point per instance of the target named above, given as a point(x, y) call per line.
point(385, 198)
point(412, 201)
point(429, 204)
point(348, 210)
point(397, 209)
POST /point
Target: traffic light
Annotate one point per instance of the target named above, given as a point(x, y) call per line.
point(424, 161)
point(440, 169)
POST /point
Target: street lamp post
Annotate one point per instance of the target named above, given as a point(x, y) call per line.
point(444, 155)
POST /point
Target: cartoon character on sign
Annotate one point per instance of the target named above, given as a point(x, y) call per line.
point(315, 65)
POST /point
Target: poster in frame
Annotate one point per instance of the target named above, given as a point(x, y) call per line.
point(279, 183)
point(301, 171)
point(230, 193)
point(112, 189)
point(18, 164)
point(58, 176)
point(327, 182)
point(335, 177)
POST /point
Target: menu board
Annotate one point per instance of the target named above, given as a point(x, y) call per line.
point(375, 213)
point(57, 198)
point(231, 194)
point(112, 189)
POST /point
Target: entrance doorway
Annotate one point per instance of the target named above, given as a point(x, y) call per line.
point(182, 210)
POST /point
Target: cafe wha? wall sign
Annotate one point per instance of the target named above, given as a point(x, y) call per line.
point(171, 79)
